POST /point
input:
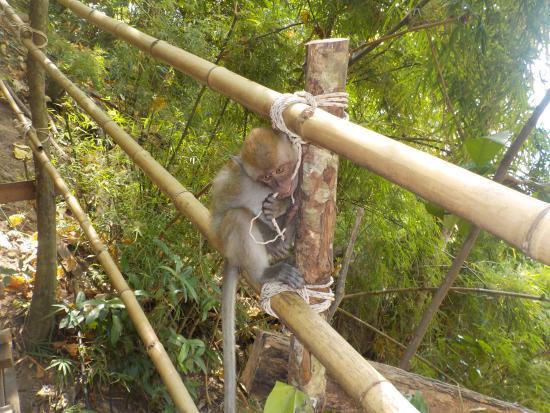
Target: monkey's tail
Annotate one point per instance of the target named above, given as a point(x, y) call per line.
point(229, 295)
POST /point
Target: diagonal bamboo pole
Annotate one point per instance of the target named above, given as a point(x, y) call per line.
point(356, 376)
point(514, 217)
point(469, 242)
point(154, 347)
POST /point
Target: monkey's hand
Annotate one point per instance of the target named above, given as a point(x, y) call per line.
point(278, 249)
point(272, 208)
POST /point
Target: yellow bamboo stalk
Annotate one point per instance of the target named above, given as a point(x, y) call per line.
point(154, 347)
point(356, 376)
point(514, 217)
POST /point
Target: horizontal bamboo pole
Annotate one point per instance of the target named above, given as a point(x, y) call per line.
point(154, 347)
point(514, 217)
point(356, 376)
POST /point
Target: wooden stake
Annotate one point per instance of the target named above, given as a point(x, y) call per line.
point(326, 72)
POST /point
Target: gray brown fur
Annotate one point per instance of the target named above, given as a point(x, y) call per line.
point(241, 189)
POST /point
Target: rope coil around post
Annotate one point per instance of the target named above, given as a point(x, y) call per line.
point(308, 292)
point(23, 28)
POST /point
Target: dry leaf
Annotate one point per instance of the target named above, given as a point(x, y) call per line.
point(70, 263)
point(16, 219)
point(17, 283)
point(21, 152)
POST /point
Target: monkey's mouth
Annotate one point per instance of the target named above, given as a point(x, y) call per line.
point(286, 192)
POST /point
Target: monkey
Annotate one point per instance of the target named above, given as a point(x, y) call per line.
point(244, 186)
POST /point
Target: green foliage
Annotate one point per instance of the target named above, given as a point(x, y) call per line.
point(418, 401)
point(287, 399)
point(455, 91)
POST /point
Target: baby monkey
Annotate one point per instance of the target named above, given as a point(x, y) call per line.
point(246, 185)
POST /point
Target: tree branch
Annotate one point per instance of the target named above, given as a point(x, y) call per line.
point(355, 57)
point(203, 89)
point(453, 272)
point(358, 51)
point(341, 282)
point(512, 294)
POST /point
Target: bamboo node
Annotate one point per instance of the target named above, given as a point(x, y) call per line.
point(526, 245)
point(207, 81)
point(373, 385)
point(152, 45)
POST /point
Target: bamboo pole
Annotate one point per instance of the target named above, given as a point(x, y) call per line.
point(514, 217)
point(469, 242)
point(154, 347)
point(356, 376)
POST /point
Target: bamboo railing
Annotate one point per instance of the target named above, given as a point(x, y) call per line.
point(510, 215)
point(154, 347)
point(356, 376)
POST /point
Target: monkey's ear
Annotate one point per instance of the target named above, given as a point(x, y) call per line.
point(237, 160)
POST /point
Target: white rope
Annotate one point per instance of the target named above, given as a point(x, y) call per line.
point(24, 127)
point(308, 292)
point(22, 28)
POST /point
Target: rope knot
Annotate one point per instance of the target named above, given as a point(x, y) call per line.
point(307, 292)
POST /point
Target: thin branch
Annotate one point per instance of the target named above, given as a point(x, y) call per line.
point(395, 69)
point(203, 89)
point(486, 291)
point(444, 88)
point(453, 272)
point(397, 343)
point(404, 21)
point(275, 31)
point(341, 282)
point(424, 26)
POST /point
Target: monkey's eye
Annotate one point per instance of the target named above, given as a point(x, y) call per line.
point(280, 170)
point(266, 177)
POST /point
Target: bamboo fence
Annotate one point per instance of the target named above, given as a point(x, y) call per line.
point(356, 376)
point(154, 347)
point(514, 217)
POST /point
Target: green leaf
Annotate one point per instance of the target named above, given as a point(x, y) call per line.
point(116, 329)
point(7, 271)
point(94, 314)
point(483, 150)
point(418, 401)
point(287, 399)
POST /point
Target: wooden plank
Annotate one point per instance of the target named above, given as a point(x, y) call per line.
point(6, 359)
point(2, 397)
point(17, 191)
point(5, 336)
point(10, 388)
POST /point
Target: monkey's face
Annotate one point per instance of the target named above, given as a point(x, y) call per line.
point(270, 159)
point(280, 180)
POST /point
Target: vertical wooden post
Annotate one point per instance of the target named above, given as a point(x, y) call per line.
point(39, 321)
point(326, 72)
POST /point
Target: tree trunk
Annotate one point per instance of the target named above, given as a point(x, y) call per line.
point(326, 72)
point(40, 320)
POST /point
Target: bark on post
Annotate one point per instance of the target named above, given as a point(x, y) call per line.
point(326, 72)
point(39, 321)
